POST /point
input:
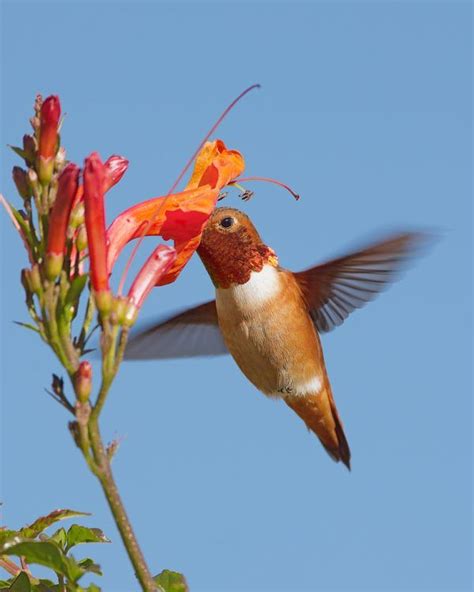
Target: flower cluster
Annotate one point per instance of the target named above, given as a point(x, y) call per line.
point(63, 226)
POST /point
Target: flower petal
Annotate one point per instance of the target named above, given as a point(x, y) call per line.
point(115, 168)
point(155, 266)
point(180, 216)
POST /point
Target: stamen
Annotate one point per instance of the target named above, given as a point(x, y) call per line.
point(178, 180)
point(267, 180)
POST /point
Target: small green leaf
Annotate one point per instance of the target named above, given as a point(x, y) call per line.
point(171, 581)
point(5, 584)
point(27, 326)
point(91, 588)
point(21, 583)
point(48, 554)
point(22, 224)
point(89, 565)
point(59, 537)
point(34, 529)
point(18, 151)
point(78, 534)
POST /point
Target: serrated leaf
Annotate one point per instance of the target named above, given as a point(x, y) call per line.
point(171, 581)
point(90, 566)
point(21, 583)
point(35, 528)
point(48, 554)
point(78, 534)
point(59, 537)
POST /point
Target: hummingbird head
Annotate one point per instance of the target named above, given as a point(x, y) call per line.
point(231, 248)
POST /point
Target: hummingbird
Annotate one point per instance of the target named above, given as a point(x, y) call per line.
point(270, 319)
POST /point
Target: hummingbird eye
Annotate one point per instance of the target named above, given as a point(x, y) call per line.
point(227, 222)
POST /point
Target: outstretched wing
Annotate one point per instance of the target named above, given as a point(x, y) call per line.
point(336, 288)
point(193, 332)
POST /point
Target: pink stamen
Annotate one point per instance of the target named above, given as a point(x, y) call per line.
point(267, 180)
point(178, 180)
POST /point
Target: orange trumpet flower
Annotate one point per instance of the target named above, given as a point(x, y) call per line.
point(179, 216)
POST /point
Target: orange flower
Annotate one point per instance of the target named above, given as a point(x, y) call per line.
point(179, 216)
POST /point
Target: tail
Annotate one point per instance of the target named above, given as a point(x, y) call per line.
point(320, 415)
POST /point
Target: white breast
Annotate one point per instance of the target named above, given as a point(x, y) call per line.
point(260, 289)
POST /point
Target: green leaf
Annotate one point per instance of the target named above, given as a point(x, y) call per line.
point(21, 583)
point(46, 586)
point(27, 326)
point(24, 225)
point(90, 566)
point(18, 151)
point(78, 534)
point(35, 528)
point(59, 537)
point(91, 588)
point(171, 581)
point(45, 553)
point(5, 584)
point(7, 535)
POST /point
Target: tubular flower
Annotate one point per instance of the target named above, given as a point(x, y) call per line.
point(154, 268)
point(59, 218)
point(180, 216)
point(48, 137)
point(115, 168)
point(94, 178)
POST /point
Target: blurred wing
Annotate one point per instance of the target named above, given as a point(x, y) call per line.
point(193, 332)
point(336, 288)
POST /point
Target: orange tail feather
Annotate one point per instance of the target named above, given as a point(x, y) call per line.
point(320, 415)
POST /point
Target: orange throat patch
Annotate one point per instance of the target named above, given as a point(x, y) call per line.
point(231, 261)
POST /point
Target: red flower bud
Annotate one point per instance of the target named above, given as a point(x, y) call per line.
point(49, 121)
point(68, 182)
point(48, 140)
point(115, 167)
point(20, 178)
point(29, 148)
point(154, 268)
point(94, 182)
point(83, 381)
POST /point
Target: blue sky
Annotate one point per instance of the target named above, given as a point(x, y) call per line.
point(365, 109)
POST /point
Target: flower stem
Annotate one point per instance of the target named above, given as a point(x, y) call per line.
point(106, 478)
point(100, 464)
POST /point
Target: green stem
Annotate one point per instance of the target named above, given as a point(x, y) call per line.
point(111, 358)
point(106, 479)
point(49, 316)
